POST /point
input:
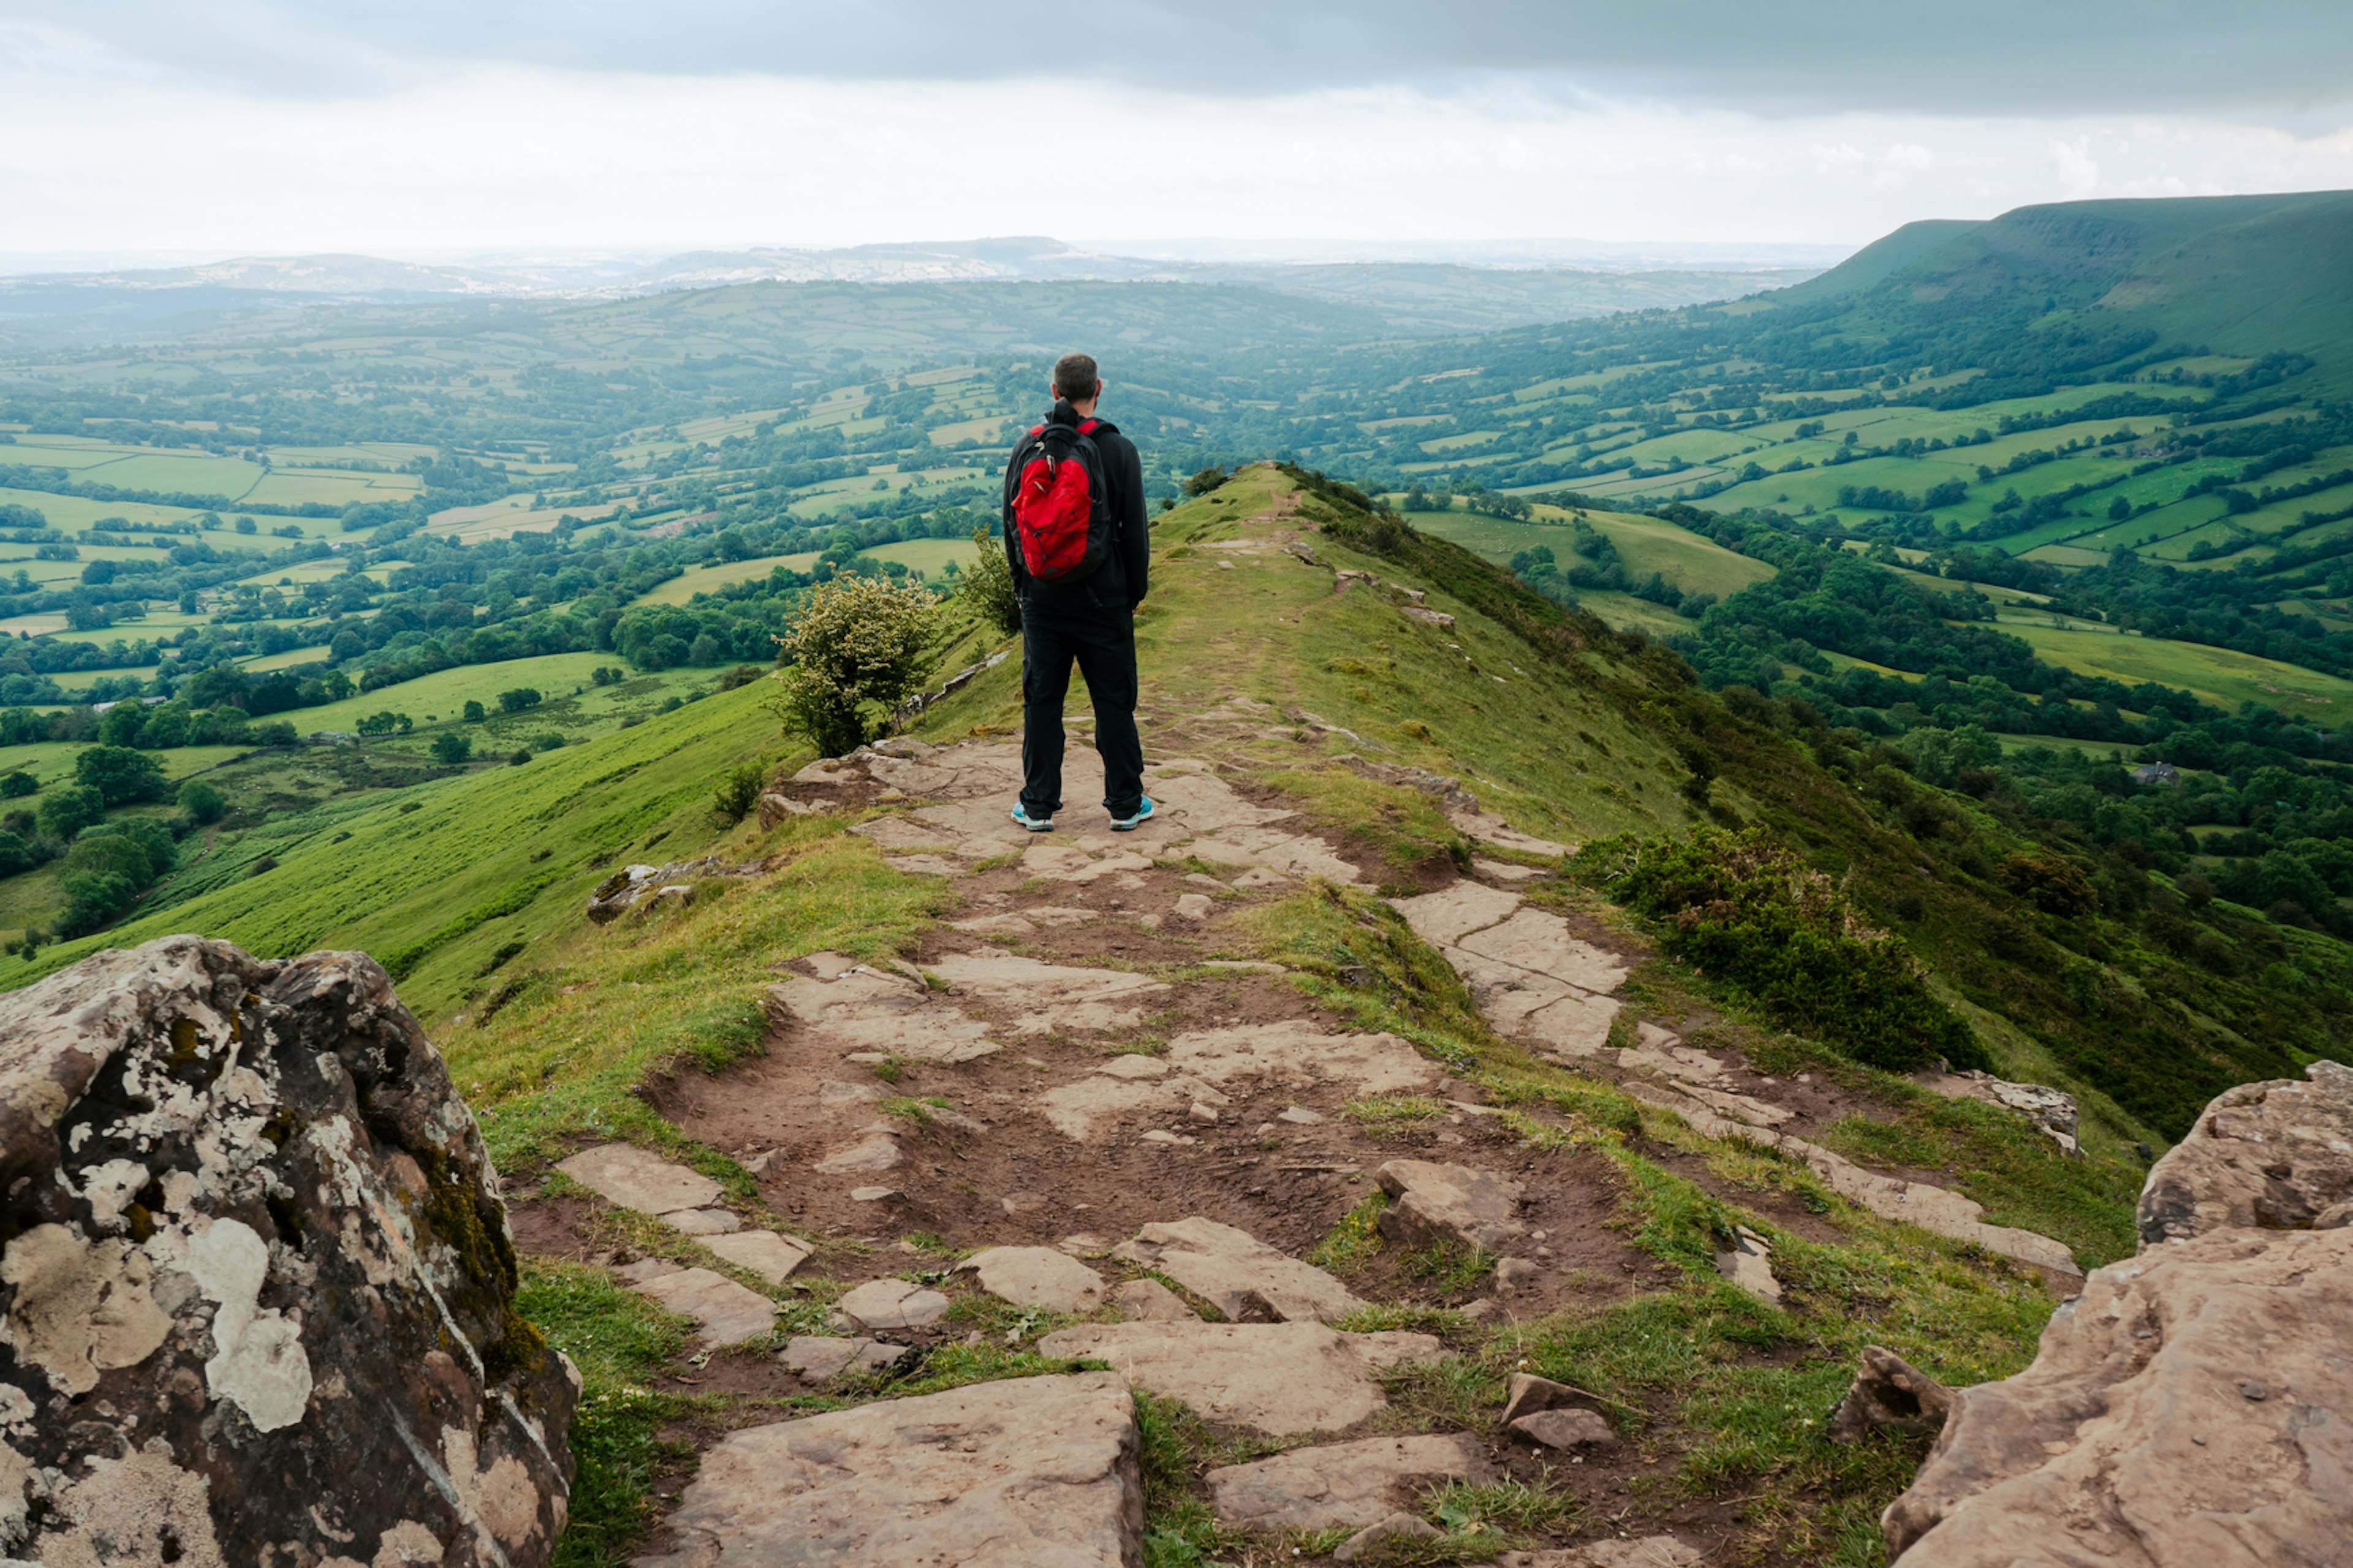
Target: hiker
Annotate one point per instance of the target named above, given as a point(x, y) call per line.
point(1080, 546)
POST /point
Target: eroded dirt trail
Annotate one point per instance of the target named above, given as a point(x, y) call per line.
point(1080, 1081)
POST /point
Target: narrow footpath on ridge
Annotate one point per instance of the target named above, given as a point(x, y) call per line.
point(1075, 1123)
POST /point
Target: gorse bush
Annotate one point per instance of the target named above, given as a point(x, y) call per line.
point(988, 587)
point(858, 646)
point(1743, 911)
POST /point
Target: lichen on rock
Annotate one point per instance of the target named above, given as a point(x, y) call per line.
point(258, 1286)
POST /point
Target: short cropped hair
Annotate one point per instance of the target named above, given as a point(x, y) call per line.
point(1075, 375)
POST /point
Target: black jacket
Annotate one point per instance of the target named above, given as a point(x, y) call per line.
point(1119, 582)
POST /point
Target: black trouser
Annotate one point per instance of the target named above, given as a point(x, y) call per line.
point(1103, 644)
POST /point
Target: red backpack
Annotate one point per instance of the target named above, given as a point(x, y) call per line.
point(1061, 515)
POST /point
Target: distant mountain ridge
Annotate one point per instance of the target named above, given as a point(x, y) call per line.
point(2239, 275)
point(1410, 298)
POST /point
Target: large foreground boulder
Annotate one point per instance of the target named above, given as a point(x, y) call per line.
point(257, 1293)
point(2193, 1408)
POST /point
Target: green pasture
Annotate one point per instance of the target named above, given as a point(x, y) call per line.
point(1646, 545)
point(50, 760)
point(442, 696)
point(2218, 674)
point(929, 556)
point(704, 579)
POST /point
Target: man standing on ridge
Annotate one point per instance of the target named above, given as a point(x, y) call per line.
point(1080, 548)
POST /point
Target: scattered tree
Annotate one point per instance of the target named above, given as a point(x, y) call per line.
point(989, 586)
point(859, 647)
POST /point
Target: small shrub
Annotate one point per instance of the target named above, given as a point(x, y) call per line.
point(859, 647)
point(739, 675)
point(18, 785)
point(266, 863)
point(989, 586)
point(1741, 909)
point(475, 713)
point(2051, 883)
point(521, 756)
point(738, 793)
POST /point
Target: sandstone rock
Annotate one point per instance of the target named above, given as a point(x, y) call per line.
point(1516, 1274)
point(1296, 1052)
point(1341, 1483)
point(772, 1256)
point(893, 1304)
point(703, 1222)
point(1053, 997)
point(1277, 1377)
point(1236, 1272)
point(820, 1360)
point(1032, 1472)
point(1444, 918)
point(875, 1194)
point(1397, 1526)
point(2188, 1410)
point(875, 1152)
point(2053, 1111)
point(627, 1176)
point(1076, 1109)
point(1566, 1429)
point(258, 1282)
point(1527, 1393)
point(1891, 1395)
point(1931, 1207)
point(725, 1313)
point(2276, 1154)
point(1435, 1202)
point(1150, 1301)
point(1037, 1276)
point(1298, 1115)
point(857, 1008)
point(1133, 1066)
point(1748, 1263)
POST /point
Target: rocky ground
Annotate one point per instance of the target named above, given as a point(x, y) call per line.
point(1077, 1122)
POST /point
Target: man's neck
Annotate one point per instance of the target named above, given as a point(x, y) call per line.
point(1083, 410)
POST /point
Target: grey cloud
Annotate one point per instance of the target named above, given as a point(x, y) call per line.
point(2280, 58)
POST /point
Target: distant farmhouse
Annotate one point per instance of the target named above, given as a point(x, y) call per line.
point(2157, 773)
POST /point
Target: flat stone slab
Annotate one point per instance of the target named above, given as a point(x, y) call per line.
point(703, 1222)
point(1272, 849)
point(1276, 1377)
point(726, 1313)
point(1031, 1472)
point(1149, 1300)
point(1235, 1271)
point(875, 1152)
point(1053, 997)
point(1297, 1052)
point(1340, 1484)
point(820, 1360)
point(892, 1304)
point(858, 1008)
point(625, 1175)
point(1038, 1277)
point(1542, 942)
point(770, 1256)
point(1444, 918)
point(1433, 1203)
point(1077, 1109)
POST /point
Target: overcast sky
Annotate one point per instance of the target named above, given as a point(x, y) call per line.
point(271, 126)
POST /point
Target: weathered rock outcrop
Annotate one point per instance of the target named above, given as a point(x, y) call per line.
point(2276, 1154)
point(258, 1281)
point(2194, 1406)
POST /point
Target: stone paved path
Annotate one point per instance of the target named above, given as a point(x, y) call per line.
point(1135, 1129)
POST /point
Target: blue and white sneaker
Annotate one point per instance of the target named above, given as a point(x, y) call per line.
point(1021, 818)
point(1130, 824)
